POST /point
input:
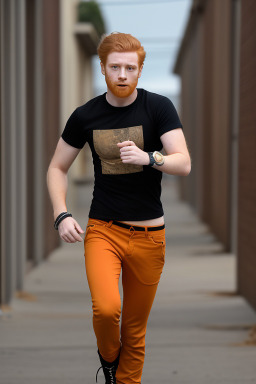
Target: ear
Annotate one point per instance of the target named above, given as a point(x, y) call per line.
point(102, 68)
point(140, 70)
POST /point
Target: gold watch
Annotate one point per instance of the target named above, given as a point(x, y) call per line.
point(156, 158)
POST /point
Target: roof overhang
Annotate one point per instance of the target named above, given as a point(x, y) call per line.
point(87, 37)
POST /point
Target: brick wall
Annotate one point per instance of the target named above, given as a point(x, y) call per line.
point(247, 156)
point(205, 69)
point(216, 117)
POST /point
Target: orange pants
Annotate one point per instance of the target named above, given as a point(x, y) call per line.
point(140, 254)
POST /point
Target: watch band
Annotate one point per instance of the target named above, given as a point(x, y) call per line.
point(151, 159)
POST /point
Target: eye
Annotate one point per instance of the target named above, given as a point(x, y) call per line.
point(114, 67)
point(130, 68)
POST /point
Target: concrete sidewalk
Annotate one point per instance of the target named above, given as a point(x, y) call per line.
point(196, 331)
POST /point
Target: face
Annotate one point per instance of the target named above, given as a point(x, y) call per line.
point(121, 73)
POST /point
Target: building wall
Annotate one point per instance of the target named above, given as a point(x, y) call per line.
point(226, 181)
point(13, 148)
point(51, 106)
point(216, 209)
point(32, 110)
point(30, 123)
point(42, 97)
point(1, 130)
point(205, 69)
point(76, 89)
point(247, 155)
point(42, 111)
point(25, 237)
point(191, 101)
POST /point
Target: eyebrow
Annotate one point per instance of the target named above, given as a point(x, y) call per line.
point(128, 65)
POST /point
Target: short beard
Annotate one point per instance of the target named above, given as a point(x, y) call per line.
point(119, 91)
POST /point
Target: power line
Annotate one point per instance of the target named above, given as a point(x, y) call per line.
point(138, 2)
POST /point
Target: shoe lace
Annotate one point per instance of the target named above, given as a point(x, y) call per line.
point(111, 372)
point(97, 373)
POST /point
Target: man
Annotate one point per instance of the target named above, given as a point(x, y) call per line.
point(125, 128)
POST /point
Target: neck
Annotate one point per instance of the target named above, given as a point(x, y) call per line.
point(121, 101)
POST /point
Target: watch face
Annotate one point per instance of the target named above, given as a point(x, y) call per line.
point(159, 158)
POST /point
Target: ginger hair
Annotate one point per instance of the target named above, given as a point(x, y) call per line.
point(120, 42)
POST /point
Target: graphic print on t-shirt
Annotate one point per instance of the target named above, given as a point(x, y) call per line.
point(105, 144)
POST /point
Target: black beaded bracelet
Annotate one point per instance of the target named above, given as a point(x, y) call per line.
point(61, 217)
point(56, 223)
point(61, 214)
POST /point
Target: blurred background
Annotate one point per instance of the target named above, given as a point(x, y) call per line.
point(200, 53)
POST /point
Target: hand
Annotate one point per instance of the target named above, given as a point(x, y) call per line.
point(131, 154)
point(69, 230)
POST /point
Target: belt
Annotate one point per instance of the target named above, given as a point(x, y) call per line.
point(136, 228)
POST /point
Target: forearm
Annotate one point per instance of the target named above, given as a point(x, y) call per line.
point(57, 183)
point(176, 164)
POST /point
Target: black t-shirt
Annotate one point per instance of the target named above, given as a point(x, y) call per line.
point(123, 191)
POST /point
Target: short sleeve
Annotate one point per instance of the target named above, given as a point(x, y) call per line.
point(167, 117)
point(73, 133)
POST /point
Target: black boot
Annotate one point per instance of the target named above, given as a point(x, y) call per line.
point(109, 369)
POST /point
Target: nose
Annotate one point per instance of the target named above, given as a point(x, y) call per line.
point(122, 73)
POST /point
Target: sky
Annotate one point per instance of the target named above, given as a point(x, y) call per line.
point(159, 25)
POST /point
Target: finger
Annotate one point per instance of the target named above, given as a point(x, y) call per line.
point(125, 143)
point(127, 160)
point(126, 157)
point(71, 238)
point(125, 154)
point(67, 236)
point(75, 235)
point(126, 149)
point(78, 228)
point(64, 238)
